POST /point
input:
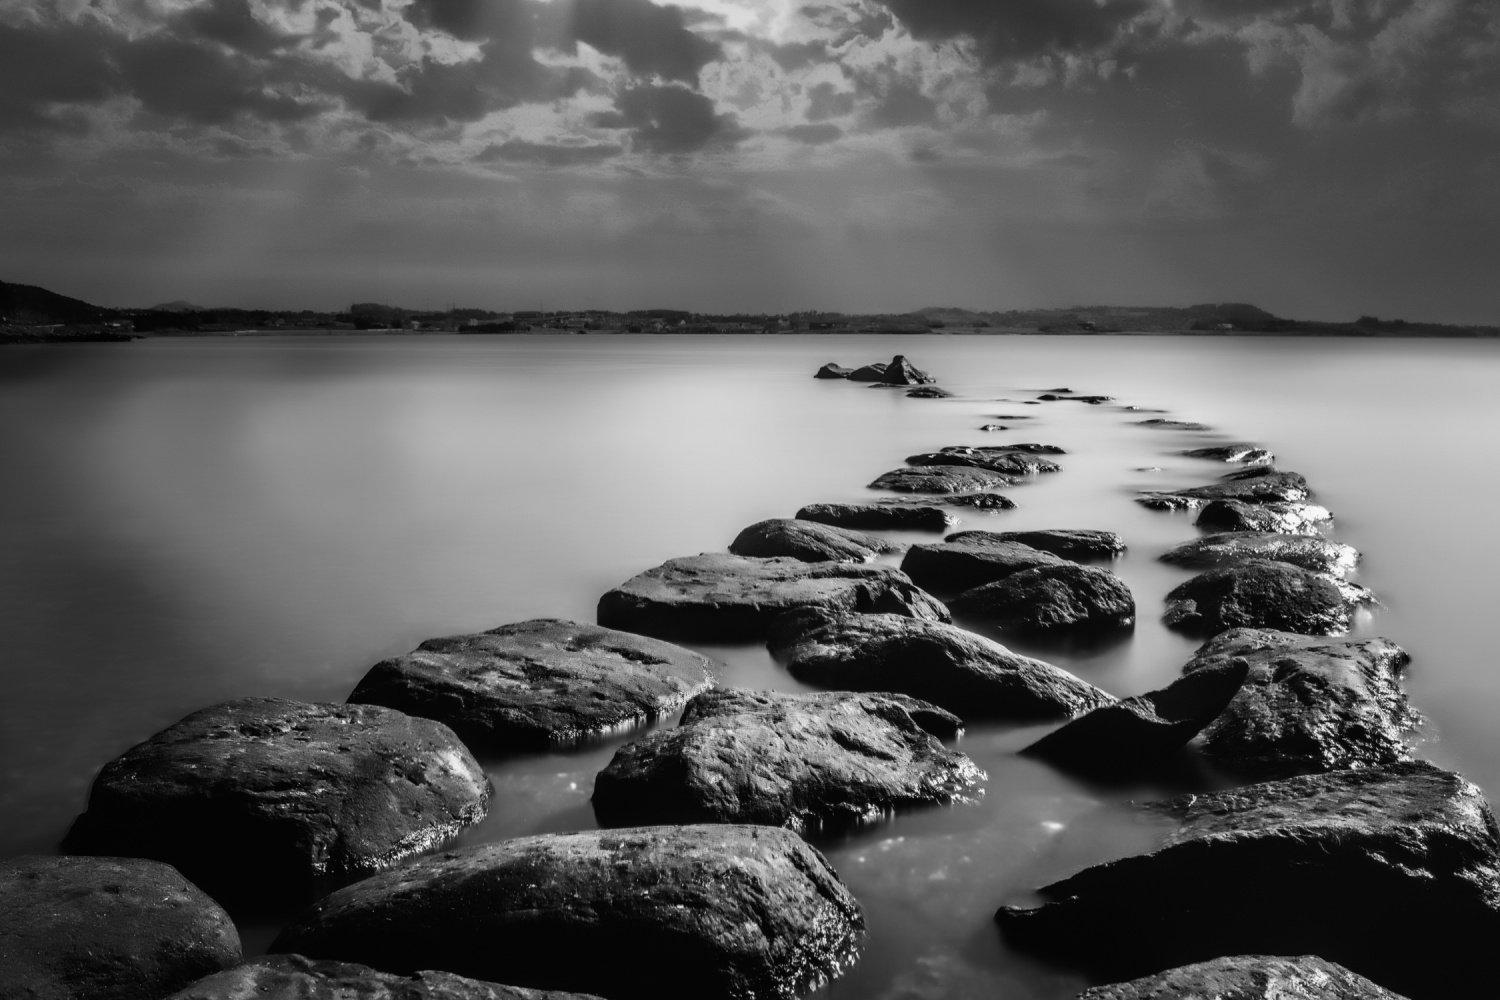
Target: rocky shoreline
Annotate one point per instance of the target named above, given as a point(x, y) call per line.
point(1336, 864)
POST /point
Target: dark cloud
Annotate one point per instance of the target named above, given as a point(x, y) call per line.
point(477, 20)
point(40, 67)
point(825, 101)
point(179, 79)
point(548, 154)
point(814, 135)
point(1018, 29)
point(898, 103)
point(232, 23)
point(670, 119)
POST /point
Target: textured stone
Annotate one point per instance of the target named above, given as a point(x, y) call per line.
point(1065, 597)
point(294, 977)
point(808, 541)
point(1260, 593)
point(1248, 977)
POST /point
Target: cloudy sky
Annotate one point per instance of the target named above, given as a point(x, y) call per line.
point(1323, 158)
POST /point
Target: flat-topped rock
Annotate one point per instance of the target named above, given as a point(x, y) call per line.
point(715, 911)
point(538, 684)
point(991, 428)
point(1030, 447)
point(974, 501)
point(265, 797)
point(1248, 977)
point(810, 762)
point(903, 372)
point(1282, 518)
point(1168, 424)
point(950, 567)
point(1307, 704)
point(929, 392)
point(106, 929)
point(1240, 454)
point(967, 674)
point(941, 479)
point(1054, 397)
point(1004, 461)
point(888, 516)
point(295, 977)
point(1057, 598)
point(727, 597)
point(1260, 593)
point(1308, 551)
point(1077, 544)
point(1392, 872)
point(1257, 484)
point(868, 373)
point(808, 541)
point(832, 370)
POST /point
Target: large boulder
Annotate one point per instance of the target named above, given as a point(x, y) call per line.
point(1281, 518)
point(1308, 551)
point(1257, 484)
point(808, 541)
point(1133, 733)
point(106, 929)
point(295, 977)
point(955, 566)
point(269, 798)
point(1079, 545)
point(895, 517)
point(710, 911)
point(1393, 872)
point(903, 372)
point(941, 479)
point(832, 370)
point(869, 373)
point(1260, 593)
point(1065, 597)
point(1307, 704)
point(538, 684)
point(726, 597)
point(811, 762)
point(1004, 461)
point(967, 674)
point(1240, 454)
point(1248, 977)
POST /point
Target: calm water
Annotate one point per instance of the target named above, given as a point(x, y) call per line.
point(187, 521)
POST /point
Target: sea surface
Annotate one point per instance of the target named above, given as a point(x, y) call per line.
point(190, 520)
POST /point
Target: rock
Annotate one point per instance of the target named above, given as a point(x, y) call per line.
point(538, 684)
point(1010, 463)
point(1013, 416)
point(812, 762)
point(889, 516)
point(902, 372)
point(1258, 484)
point(710, 911)
point(994, 427)
point(1175, 425)
point(1131, 734)
point(941, 479)
point(1379, 870)
point(1048, 598)
point(1150, 468)
point(1052, 397)
point(1031, 447)
point(727, 598)
point(929, 392)
point(869, 373)
point(1308, 704)
point(106, 929)
point(262, 798)
point(1248, 977)
point(955, 669)
point(1259, 593)
point(293, 977)
point(832, 370)
point(1243, 454)
point(1282, 518)
point(978, 501)
point(1308, 551)
point(1077, 544)
point(954, 566)
point(808, 541)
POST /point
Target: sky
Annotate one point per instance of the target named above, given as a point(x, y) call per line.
point(1321, 158)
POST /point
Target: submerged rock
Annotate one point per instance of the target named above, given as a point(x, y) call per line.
point(1260, 593)
point(832, 370)
point(811, 762)
point(1077, 544)
point(929, 392)
point(1242, 454)
point(1030, 447)
point(1248, 977)
point(725, 597)
point(903, 372)
point(265, 797)
point(1381, 870)
point(1282, 518)
point(1054, 397)
point(1307, 704)
point(808, 541)
point(1002, 460)
point(1133, 733)
point(947, 478)
point(950, 567)
point(293, 977)
point(1308, 551)
point(994, 427)
point(106, 929)
point(889, 516)
point(1166, 424)
point(1257, 484)
point(953, 668)
point(869, 373)
point(978, 501)
point(538, 684)
point(1052, 598)
point(731, 911)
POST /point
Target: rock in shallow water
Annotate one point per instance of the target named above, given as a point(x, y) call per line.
point(929, 392)
point(902, 516)
point(265, 797)
point(1241, 454)
point(1310, 552)
point(869, 373)
point(832, 370)
point(1079, 545)
point(1004, 461)
point(941, 479)
point(811, 762)
point(1258, 484)
point(710, 911)
point(1393, 872)
point(955, 669)
point(106, 929)
point(538, 684)
point(1282, 518)
point(950, 567)
point(808, 541)
point(1259, 593)
point(725, 597)
point(1248, 977)
point(1166, 424)
point(295, 977)
point(1059, 598)
point(903, 372)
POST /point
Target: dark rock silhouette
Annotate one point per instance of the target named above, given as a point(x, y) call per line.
point(294, 977)
point(1065, 597)
point(1260, 593)
point(950, 567)
point(946, 478)
point(808, 541)
point(832, 370)
point(869, 373)
point(1248, 977)
point(905, 517)
point(1166, 424)
point(903, 372)
point(1077, 544)
point(929, 392)
point(1010, 463)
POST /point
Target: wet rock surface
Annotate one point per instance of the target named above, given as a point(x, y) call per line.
point(1282, 518)
point(1379, 870)
point(1307, 704)
point(727, 597)
point(1057, 598)
point(538, 684)
point(1002, 460)
point(737, 911)
point(811, 762)
point(1241, 454)
point(945, 478)
point(1169, 424)
point(888, 516)
point(295, 977)
point(903, 372)
point(808, 541)
point(269, 797)
point(1248, 977)
point(1077, 544)
point(1257, 484)
point(1260, 593)
point(950, 567)
point(977, 501)
point(76, 928)
point(1308, 551)
point(868, 373)
point(929, 392)
point(832, 370)
point(955, 669)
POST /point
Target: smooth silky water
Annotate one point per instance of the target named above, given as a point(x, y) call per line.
point(187, 521)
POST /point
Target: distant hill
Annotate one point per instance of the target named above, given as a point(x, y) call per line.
point(1114, 319)
point(175, 306)
point(26, 305)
